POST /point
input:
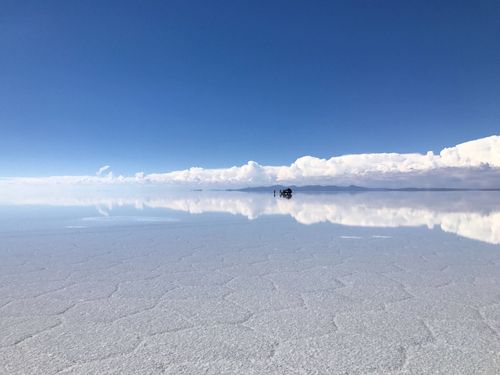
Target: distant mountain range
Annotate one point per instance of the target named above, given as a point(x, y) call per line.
point(350, 188)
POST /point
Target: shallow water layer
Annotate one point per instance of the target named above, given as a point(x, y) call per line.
point(237, 283)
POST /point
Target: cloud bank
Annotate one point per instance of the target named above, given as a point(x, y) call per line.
point(471, 164)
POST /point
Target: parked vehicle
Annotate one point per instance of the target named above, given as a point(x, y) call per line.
point(286, 193)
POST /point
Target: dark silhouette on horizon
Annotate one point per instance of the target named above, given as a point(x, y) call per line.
point(286, 193)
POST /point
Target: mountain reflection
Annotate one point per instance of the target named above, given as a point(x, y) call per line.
point(475, 215)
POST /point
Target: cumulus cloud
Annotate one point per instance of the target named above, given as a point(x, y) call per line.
point(477, 161)
point(470, 164)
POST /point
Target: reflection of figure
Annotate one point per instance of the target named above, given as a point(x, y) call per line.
point(286, 193)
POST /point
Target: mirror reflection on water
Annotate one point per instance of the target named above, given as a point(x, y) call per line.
point(473, 215)
point(249, 282)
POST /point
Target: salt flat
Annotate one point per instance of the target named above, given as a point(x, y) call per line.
point(220, 294)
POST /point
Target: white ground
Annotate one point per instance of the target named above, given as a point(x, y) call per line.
point(268, 296)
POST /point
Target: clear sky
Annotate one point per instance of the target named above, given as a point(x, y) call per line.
point(162, 85)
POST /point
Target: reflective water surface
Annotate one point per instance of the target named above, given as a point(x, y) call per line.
point(153, 282)
point(474, 215)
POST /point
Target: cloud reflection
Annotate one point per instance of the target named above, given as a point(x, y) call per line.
point(469, 214)
point(474, 215)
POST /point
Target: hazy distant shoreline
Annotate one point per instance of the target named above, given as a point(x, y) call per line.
point(352, 188)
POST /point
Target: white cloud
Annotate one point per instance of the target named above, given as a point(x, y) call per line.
point(103, 169)
point(471, 164)
point(452, 166)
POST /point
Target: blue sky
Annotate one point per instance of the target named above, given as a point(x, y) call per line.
point(164, 85)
